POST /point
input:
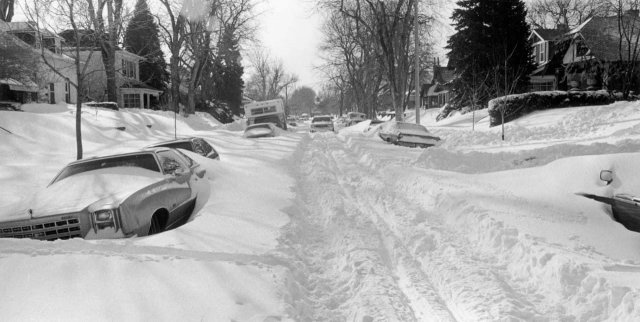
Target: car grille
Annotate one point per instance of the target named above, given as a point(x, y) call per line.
point(48, 228)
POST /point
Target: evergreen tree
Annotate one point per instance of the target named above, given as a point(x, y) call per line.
point(490, 35)
point(229, 86)
point(222, 78)
point(141, 38)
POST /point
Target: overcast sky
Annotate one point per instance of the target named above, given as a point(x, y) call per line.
point(290, 29)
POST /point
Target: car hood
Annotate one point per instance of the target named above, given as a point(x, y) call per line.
point(321, 123)
point(105, 187)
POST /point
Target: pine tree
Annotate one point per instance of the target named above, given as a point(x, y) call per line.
point(229, 86)
point(141, 38)
point(490, 34)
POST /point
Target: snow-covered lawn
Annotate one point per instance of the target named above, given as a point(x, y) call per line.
point(337, 227)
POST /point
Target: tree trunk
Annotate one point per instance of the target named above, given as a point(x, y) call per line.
point(109, 61)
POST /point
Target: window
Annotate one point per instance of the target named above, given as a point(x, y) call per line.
point(540, 52)
point(131, 100)
point(170, 162)
point(129, 69)
point(581, 49)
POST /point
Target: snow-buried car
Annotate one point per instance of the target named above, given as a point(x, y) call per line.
point(116, 196)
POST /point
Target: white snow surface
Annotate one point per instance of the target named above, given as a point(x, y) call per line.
point(343, 227)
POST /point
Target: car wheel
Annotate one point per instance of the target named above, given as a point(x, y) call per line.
point(157, 225)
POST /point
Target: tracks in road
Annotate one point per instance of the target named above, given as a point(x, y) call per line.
point(366, 252)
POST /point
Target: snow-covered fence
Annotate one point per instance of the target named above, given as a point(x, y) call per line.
point(516, 105)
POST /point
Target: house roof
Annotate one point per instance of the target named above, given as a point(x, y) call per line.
point(548, 34)
point(18, 26)
point(602, 37)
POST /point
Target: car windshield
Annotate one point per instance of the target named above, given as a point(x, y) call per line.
point(321, 119)
point(176, 145)
point(259, 126)
point(145, 161)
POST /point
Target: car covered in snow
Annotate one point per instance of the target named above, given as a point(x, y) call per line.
point(407, 134)
point(260, 130)
point(116, 196)
point(321, 123)
point(625, 207)
point(355, 118)
point(193, 144)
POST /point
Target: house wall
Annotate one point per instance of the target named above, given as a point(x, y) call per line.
point(96, 77)
point(46, 76)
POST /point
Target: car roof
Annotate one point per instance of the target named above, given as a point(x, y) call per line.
point(186, 139)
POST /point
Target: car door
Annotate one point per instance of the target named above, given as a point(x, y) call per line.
point(198, 181)
point(177, 192)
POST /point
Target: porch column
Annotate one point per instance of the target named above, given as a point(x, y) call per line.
point(141, 100)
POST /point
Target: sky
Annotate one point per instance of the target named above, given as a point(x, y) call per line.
point(290, 29)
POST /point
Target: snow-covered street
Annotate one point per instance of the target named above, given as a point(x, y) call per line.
point(344, 227)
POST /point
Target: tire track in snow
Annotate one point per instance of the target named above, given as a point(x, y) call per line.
point(473, 287)
point(349, 267)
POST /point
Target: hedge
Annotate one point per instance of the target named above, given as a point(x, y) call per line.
point(518, 105)
point(109, 105)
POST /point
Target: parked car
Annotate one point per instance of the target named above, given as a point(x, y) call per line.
point(260, 130)
point(625, 207)
point(124, 195)
point(407, 134)
point(355, 118)
point(321, 123)
point(193, 144)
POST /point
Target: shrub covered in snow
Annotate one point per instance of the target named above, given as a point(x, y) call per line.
point(109, 105)
point(514, 106)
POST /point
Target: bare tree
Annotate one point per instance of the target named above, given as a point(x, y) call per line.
point(108, 33)
point(571, 13)
point(628, 27)
point(172, 25)
point(351, 55)
point(197, 35)
point(71, 14)
point(269, 77)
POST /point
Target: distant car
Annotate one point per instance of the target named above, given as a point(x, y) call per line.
point(193, 144)
point(355, 118)
point(321, 123)
point(260, 130)
point(625, 207)
point(407, 134)
point(374, 123)
point(124, 195)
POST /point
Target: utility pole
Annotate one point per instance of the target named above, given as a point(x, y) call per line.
point(417, 61)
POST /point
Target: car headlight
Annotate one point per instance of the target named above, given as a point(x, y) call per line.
point(105, 218)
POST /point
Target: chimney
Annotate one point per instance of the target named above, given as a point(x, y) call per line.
point(438, 61)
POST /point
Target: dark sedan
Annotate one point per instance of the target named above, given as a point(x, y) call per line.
point(193, 144)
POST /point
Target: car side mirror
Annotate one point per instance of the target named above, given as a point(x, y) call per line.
point(179, 172)
point(606, 176)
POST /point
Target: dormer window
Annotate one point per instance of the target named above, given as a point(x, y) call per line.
point(540, 52)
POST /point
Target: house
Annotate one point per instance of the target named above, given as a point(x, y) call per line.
point(132, 93)
point(437, 93)
point(52, 74)
point(598, 57)
point(545, 43)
